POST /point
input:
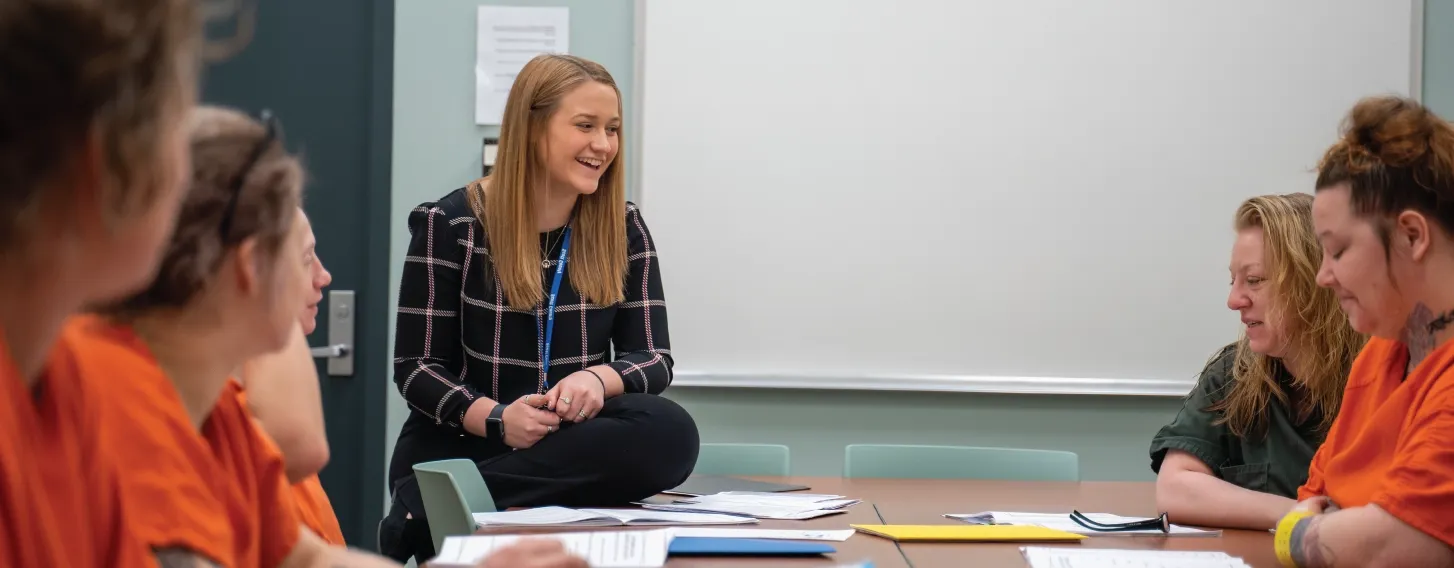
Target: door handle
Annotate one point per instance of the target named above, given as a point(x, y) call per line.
point(339, 351)
point(329, 351)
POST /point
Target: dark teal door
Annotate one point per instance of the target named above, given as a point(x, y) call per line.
point(325, 69)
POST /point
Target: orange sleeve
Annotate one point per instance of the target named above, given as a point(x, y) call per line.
point(313, 508)
point(277, 512)
point(104, 483)
point(1365, 371)
point(1313, 487)
point(280, 523)
point(1347, 418)
point(164, 499)
point(1419, 487)
point(316, 510)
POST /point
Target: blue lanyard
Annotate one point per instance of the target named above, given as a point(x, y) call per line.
point(550, 307)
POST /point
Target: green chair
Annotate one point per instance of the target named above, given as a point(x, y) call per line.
point(958, 462)
point(742, 459)
point(452, 491)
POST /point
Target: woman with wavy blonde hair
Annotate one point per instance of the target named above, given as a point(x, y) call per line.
point(532, 327)
point(1240, 447)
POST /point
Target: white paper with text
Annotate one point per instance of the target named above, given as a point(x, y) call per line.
point(506, 38)
point(1052, 557)
point(602, 549)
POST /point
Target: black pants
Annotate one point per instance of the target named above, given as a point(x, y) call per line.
point(636, 447)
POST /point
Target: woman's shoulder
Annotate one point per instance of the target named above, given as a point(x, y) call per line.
point(634, 222)
point(1218, 371)
point(453, 209)
point(639, 241)
point(636, 229)
point(99, 346)
point(1370, 366)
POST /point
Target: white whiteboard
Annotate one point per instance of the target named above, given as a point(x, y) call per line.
point(980, 195)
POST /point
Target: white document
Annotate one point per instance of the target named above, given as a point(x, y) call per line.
point(1062, 522)
point(649, 517)
point(789, 513)
point(506, 38)
point(816, 500)
point(783, 506)
point(561, 516)
point(604, 549)
point(770, 534)
point(1050, 557)
point(774, 496)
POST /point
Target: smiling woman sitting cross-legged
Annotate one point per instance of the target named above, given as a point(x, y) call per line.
point(532, 327)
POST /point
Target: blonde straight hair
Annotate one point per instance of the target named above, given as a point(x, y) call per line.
point(1314, 324)
point(507, 210)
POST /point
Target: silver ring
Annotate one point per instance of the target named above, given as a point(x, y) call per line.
point(581, 414)
point(549, 429)
point(565, 399)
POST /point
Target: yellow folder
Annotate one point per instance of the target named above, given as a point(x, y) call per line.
point(967, 533)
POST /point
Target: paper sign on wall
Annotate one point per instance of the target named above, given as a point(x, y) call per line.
point(507, 37)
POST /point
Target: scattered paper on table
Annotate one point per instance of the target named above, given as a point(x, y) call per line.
point(1049, 557)
point(1062, 522)
point(774, 534)
point(604, 549)
point(506, 38)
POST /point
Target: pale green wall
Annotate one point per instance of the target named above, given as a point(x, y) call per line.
point(436, 148)
point(1439, 56)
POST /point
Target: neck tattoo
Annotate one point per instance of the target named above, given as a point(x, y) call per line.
point(1419, 333)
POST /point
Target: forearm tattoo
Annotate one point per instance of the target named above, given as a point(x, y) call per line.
point(1308, 550)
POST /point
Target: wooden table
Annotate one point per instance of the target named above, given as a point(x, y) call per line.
point(903, 502)
point(900, 502)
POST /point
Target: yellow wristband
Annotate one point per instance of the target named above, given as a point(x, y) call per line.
point(1284, 536)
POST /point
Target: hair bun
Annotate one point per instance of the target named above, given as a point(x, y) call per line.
point(1395, 130)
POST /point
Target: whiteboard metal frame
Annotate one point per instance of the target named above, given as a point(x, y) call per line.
point(638, 86)
point(918, 382)
point(936, 383)
point(1416, 51)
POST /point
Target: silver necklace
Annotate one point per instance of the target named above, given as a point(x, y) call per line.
point(549, 246)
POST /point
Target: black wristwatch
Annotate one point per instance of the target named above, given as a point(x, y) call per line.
point(495, 422)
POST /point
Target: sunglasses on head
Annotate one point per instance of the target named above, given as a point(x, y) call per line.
point(269, 122)
point(1160, 523)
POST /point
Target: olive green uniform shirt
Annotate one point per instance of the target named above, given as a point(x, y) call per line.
point(1276, 463)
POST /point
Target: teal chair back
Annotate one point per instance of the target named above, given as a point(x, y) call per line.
point(742, 459)
point(452, 491)
point(958, 462)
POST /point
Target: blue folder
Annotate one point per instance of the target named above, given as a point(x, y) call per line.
point(705, 546)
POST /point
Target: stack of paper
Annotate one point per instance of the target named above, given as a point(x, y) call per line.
point(795, 506)
point(561, 516)
point(1041, 557)
point(604, 549)
point(1062, 521)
